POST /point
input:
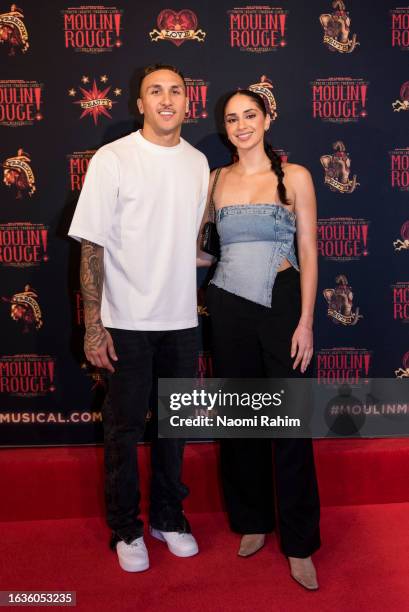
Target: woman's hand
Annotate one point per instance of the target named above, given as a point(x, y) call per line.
point(302, 346)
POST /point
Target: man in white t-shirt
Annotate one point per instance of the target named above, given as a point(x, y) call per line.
point(137, 219)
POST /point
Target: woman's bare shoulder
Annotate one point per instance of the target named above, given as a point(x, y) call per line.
point(223, 171)
point(294, 168)
point(296, 172)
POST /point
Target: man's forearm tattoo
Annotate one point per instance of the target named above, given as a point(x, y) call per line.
point(92, 278)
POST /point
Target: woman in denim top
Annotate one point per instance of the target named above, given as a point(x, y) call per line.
point(261, 301)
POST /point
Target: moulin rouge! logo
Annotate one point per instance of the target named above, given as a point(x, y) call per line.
point(197, 90)
point(18, 174)
point(20, 102)
point(27, 375)
point(177, 27)
point(400, 28)
point(339, 299)
point(343, 365)
point(403, 103)
point(13, 31)
point(258, 29)
point(337, 168)
point(92, 29)
point(400, 168)
point(337, 28)
point(400, 296)
point(339, 99)
point(78, 163)
point(23, 245)
point(403, 244)
point(25, 309)
point(204, 365)
point(265, 89)
point(95, 101)
point(342, 238)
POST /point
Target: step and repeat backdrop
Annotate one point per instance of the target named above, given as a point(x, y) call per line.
point(335, 78)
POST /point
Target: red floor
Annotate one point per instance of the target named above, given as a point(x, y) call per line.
point(361, 565)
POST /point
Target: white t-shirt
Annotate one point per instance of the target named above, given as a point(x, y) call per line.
point(143, 203)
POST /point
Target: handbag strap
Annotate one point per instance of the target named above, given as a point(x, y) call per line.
point(212, 208)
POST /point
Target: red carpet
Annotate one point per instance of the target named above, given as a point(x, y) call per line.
point(362, 564)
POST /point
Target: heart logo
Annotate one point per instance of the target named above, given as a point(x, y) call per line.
point(177, 22)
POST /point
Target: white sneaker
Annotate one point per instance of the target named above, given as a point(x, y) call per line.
point(133, 557)
point(179, 543)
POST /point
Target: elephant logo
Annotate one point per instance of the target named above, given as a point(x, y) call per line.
point(337, 26)
point(337, 167)
point(403, 372)
point(265, 89)
point(25, 309)
point(340, 302)
point(17, 173)
point(402, 104)
point(398, 244)
point(13, 31)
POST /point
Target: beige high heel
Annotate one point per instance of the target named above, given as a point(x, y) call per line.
point(251, 543)
point(303, 571)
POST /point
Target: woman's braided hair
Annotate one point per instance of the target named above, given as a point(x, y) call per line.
point(271, 154)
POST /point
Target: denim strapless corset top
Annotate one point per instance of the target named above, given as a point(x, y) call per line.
point(255, 240)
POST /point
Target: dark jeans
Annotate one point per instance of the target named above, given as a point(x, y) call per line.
point(252, 341)
point(144, 356)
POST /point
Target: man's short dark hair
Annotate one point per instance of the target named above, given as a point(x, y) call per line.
point(153, 68)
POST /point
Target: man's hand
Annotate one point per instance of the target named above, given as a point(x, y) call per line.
point(99, 347)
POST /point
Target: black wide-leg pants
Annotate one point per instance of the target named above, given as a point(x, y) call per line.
point(265, 486)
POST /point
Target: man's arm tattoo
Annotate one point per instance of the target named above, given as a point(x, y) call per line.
point(92, 278)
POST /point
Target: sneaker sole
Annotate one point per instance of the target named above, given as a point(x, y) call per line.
point(128, 567)
point(157, 534)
